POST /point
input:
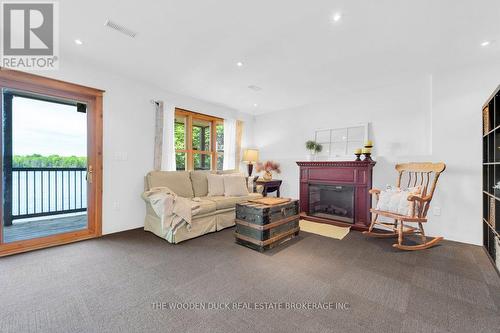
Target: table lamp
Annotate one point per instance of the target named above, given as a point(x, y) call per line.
point(250, 156)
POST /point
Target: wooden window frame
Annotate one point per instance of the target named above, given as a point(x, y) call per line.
point(11, 79)
point(188, 140)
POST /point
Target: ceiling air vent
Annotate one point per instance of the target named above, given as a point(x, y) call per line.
point(254, 88)
point(120, 28)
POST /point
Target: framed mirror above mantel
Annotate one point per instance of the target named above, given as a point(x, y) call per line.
point(339, 143)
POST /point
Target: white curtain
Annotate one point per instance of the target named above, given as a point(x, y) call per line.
point(229, 144)
point(168, 151)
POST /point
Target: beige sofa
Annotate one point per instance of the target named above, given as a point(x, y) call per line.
point(216, 213)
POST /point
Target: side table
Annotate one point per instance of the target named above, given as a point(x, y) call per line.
point(270, 186)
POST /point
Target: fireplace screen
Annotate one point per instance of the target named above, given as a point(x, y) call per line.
point(334, 202)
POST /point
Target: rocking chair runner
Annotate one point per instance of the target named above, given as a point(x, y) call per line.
point(423, 174)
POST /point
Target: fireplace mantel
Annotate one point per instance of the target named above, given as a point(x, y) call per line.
point(334, 163)
point(357, 174)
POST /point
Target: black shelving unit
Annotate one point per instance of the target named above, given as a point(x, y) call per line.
point(491, 177)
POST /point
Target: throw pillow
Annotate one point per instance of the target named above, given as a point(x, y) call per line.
point(233, 173)
point(395, 200)
point(235, 186)
point(215, 185)
point(229, 172)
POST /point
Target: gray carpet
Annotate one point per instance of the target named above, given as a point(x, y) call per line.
point(110, 285)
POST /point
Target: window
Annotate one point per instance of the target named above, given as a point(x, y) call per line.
point(341, 142)
point(199, 141)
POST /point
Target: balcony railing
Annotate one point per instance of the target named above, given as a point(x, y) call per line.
point(45, 191)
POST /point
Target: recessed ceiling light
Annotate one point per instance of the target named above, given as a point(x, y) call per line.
point(239, 64)
point(485, 43)
point(78, 42)
point(256, 105)
point(337, 17)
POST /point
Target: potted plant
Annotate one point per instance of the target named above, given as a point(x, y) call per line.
point(268, 167)
point(313, 148)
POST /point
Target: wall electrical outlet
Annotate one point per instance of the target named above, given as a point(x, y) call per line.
point(116, 205)
point(120, 156)
point(437, 211)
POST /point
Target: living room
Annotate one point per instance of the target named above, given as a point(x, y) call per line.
point(416, 80)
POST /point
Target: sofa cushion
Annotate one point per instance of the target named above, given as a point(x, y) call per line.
point(235, 186)
point(200, 182)
point(223, 202)
point(206, 206)
point(215, 185)
point(177, 181)
point(234, 172)
point(229, 172)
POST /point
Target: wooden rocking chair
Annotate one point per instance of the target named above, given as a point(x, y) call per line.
point(421, 174)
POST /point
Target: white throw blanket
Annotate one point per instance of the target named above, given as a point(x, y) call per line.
point(172, 209)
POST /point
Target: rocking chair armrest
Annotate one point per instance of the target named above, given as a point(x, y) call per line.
point(419, 198)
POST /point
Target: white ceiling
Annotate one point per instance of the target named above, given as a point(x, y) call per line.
point(292, 49)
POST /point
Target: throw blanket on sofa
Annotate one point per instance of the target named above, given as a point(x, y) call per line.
point(172, 209)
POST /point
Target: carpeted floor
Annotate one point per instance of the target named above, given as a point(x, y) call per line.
point(110, 285)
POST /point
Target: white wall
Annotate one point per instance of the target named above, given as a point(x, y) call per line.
point(458, 97)
point(428, 118)
point(397, 125)
point(129, 121)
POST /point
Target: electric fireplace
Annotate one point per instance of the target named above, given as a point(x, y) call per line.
point(336, 192)
point(332, 202)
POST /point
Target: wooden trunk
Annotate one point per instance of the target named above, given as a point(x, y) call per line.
point(262, 227)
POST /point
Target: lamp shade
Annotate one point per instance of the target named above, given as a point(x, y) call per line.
point(250, 155)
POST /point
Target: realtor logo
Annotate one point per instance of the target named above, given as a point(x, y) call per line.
point(30, 35)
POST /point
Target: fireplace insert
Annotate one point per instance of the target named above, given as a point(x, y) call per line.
point(334, 202)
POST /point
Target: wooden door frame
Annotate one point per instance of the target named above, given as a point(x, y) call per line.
point(93, 98)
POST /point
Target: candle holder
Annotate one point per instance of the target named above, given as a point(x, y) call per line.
point(368, 157)
point(358, 157)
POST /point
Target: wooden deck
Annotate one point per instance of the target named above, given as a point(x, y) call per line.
point(34, 228)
